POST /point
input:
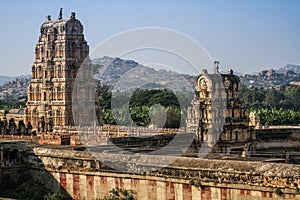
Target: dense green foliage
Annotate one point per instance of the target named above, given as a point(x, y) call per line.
point(139, 107)
point(55, 196)
point(120, 194)
point(142, 100)
point(261, 98)
point(275, 107)
point(11, 102)
point(278, 116)
point(163, 97)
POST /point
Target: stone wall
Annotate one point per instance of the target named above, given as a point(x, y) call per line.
point(12, 123)
point(278, 138)
point(99, 134)
point(79, 175)
point(85, 185)
point(84, 177)
point(16, 177)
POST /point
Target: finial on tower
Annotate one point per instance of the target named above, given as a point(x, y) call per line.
point(60, 14)
point(72, 15)
point(48, 18)
point(217, 66)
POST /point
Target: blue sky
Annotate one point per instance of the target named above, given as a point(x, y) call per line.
point(245, 35)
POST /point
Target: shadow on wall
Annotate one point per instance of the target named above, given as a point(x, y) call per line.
point(23, 175)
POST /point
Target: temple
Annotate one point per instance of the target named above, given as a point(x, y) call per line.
point(62, 97)
point(216, 113)
point(59, 53)
point(62, 110)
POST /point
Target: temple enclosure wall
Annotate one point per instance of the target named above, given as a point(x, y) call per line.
point(278, 137)
point(80, 176)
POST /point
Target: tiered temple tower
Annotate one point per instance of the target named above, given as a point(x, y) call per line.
point(59, 53)
point(216, 113)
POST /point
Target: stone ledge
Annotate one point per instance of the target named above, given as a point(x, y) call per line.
point(242, 173)
point(246, 167)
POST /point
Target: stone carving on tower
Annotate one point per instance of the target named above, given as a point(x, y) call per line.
point(58, 55)
point(216, 112)
point(206, 114)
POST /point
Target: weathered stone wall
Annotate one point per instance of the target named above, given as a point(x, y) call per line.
point(85, 185)
point(16, 175)
point(12, 123)
point(79, 175)
point(99, 134)
point(84, 177)
point(278, 138)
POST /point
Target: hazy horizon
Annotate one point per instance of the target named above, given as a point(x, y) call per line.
point(156, 67)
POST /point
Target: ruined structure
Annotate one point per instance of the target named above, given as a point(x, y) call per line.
point(79, 176)
point(216, 116)
point(62, 82)
point(12, 123)
point(217, 100)
point(255, 120)
point(58, 55)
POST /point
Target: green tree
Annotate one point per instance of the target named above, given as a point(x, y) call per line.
point(120, 194)
point(142, 100)
point(173, 117)
point(55, 196)
point(273, 98)
point(275, 107)
point(278, 116)
point(291, 99)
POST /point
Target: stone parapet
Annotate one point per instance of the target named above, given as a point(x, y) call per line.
point(252, 174)
point(79, 175)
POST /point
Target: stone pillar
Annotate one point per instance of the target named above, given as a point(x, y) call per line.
point(41, 127)
point(2, 128)
point(21, 128)
point(29, 128)
point(5, 126)
point(12, 127)
point(1, 155)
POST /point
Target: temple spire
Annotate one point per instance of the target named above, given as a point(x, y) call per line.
point(60, 14)
point(216, 66)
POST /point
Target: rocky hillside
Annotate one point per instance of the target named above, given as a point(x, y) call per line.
point(119, 74)
point(127, 74)
point(289, 68)
point(16, 88)
point(122, 74)
point(111, 70)
point(4, 79)
point(287, 75)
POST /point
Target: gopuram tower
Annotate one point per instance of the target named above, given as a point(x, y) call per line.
point(216, 113)
point(58, 55)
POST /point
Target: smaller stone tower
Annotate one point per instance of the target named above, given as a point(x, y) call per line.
point(216, 113)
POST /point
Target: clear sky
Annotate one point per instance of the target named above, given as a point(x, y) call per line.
point(245, 35)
